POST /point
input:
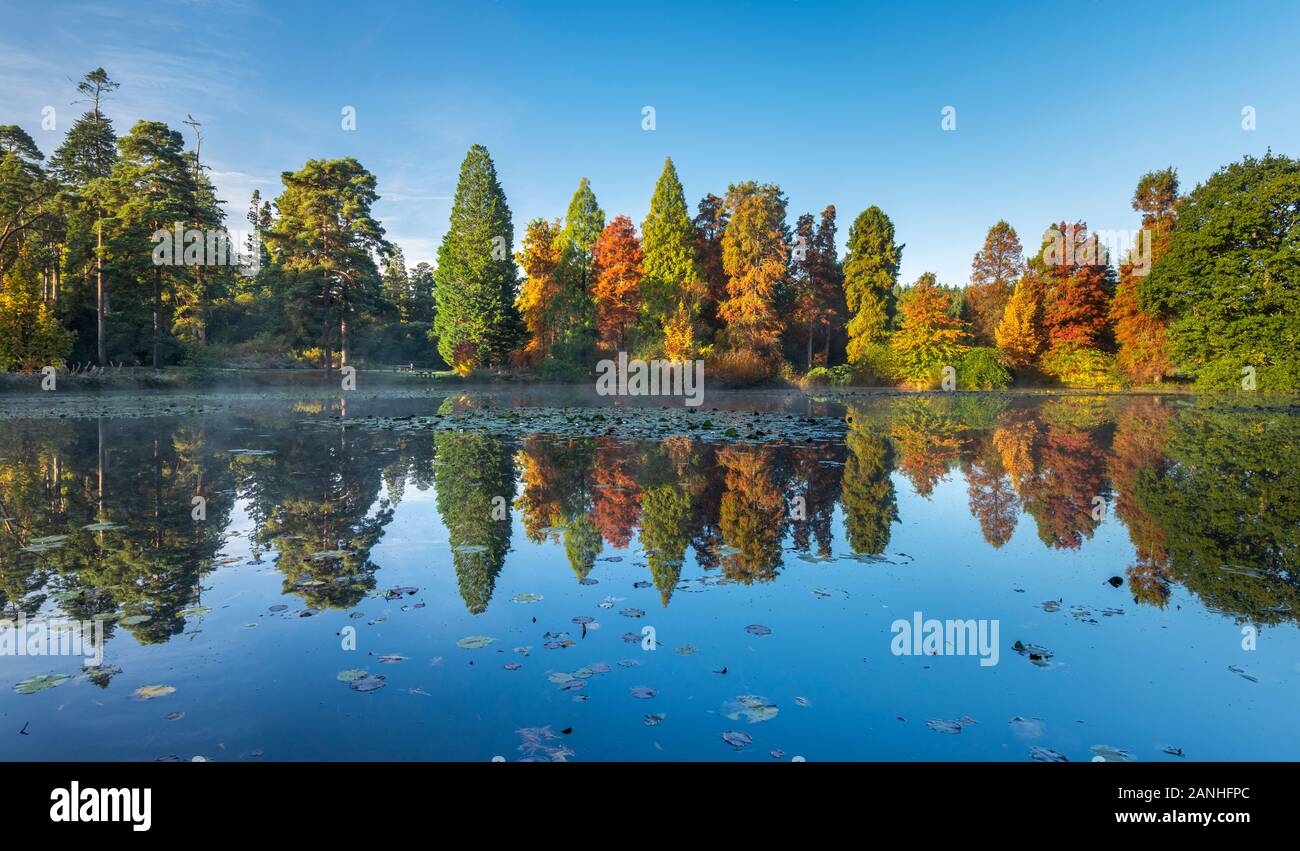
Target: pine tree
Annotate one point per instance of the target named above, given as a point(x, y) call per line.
point(616, 288)
point(327, 239)
point(152, 188)
point(84, 162)
point(477, 322)
point(870, 274)
point(994, 272)
point(672, 281)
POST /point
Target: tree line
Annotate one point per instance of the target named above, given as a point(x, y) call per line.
point(1208, 290)
point(98, 512)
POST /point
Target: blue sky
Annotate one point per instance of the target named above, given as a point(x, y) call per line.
point(1059, 108)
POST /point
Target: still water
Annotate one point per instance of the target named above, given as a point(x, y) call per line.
point(285, 579)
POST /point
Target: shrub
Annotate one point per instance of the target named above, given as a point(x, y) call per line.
point(982, 369)
point(1078, 366)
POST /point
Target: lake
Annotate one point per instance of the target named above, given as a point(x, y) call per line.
point(535, 574)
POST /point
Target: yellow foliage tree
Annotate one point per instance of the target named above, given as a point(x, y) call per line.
point(1020, 334)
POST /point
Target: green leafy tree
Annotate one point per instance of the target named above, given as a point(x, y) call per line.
point(1230, 281)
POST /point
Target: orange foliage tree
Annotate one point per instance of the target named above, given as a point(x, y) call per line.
point(616, 282)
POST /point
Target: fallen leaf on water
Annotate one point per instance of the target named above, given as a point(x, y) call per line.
point(150, 692)
point(351, 674)
point(643, 692)
point(368, 683)
point(1039, 754)
point(474, 642)
point(737, 739)
point(758, 629)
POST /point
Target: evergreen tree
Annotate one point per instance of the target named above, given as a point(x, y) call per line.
point(870, 274)
point(83, 163)
point(326, 240)
point(671, 281)
point(475, 281)
point(152, 187)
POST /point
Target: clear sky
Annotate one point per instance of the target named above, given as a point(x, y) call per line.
point(1059, 107)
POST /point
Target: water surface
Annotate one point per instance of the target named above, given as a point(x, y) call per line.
point(1146, 544)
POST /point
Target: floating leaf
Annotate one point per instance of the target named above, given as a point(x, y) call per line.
point(528, 598)
point(1040, 754)
point(368, 683)
point(737, 739)
point(351, 674)
point(943, 726)
point(474, 642)
point(134, 620)
point(643, 692)
point(654, 718)
point(1110, 754)
point(150, 692)
point(753, 708)
point(31, 685)
point(758, 629)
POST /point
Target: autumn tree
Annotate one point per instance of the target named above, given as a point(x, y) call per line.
point(754, 254)
point(1142, 337)
point(539, 257)
point(818, 283)
point(928, 336)
point(994, 272)
point(617, 274)
point(710, 224)
point(1078, 283)
point(870, 273)
point(1019, 335)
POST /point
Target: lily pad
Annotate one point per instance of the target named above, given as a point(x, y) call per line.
point(528, 598)
point(758, 629)
point(31, 685)
point(643, 692)
point(351, 674)
point(368, 683)
point(1041, 754)
point(474, 642)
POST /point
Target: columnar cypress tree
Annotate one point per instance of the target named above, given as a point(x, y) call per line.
point(477, 322)
point(668, 239)
point(870, 273)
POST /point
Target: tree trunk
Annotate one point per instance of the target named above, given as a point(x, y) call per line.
point(157, 317)
point(100, 306)
point(343, 339)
